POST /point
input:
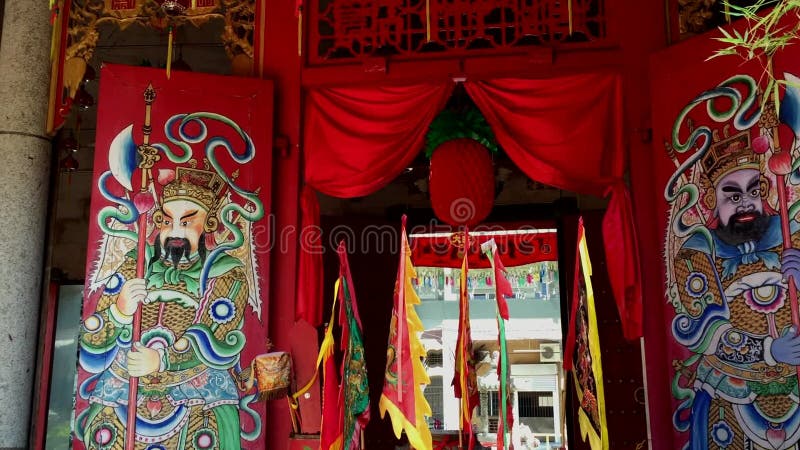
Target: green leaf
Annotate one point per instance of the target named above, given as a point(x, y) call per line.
point(730, 40)
point(450, 124)
point(725, 33)
point(722, 52)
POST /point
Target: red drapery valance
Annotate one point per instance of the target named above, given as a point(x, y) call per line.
point(565, 132)
point(357, 140)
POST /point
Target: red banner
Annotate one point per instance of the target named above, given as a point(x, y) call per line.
point(402, 395)
point(582, 352)
point(517, 248)
point(175, 304)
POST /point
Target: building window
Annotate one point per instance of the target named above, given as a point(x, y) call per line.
point(434, 358)
point(494, 404)
point(490, 407)
point(535, 404)
point(494, 423)
point(433, 394)
point(489, 403)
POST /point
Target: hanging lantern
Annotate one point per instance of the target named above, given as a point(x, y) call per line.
point(68, 164)
point(462, 181)
point(68, 142)
point(89, 74)
point(83, 98)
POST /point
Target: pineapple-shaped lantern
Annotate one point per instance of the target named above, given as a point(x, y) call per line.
point(461, 185)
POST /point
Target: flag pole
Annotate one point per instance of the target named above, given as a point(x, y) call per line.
point(502, 290)
point(463, 293)
point(562, 387)
point(401, 311)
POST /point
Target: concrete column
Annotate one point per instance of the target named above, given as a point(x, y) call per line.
point(24, 178)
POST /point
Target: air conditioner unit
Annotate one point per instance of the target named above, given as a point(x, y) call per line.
point(550, 352)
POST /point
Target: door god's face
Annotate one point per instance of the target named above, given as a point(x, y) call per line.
point(739, 197)
point(182, 220)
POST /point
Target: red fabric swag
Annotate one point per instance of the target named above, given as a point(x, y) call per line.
point(309, 280)
point(567, 132)
point(357, 140)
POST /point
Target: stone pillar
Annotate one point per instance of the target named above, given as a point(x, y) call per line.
point(24, 179)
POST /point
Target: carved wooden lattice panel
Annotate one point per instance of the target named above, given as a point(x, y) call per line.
point(342, 30)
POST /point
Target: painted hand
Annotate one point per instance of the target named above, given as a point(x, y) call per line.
point(142, 360)
point(786, 348)
point(133, 292)
point(790, 265)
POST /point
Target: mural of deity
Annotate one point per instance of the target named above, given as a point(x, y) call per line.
point(177, 293)
point(732, 270)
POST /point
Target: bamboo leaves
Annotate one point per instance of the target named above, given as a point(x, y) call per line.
point(765, 34)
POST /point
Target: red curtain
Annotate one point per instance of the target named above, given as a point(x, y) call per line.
point(357, 139)
point(567, 132)
point(309, 286)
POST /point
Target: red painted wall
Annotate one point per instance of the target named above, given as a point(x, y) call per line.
point(645, 26)
point(281, 63)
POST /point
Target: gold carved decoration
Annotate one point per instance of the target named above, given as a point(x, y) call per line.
point(698, 16)
point(239, 33)
point(85, 16)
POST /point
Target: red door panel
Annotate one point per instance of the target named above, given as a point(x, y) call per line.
point(177, 263)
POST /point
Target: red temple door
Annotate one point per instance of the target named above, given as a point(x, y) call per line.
point(621, 359)
point(178, 262)
point(709, 125)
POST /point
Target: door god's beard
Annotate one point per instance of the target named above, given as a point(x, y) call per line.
point(174, 253)
point(736, 232)
point(176, 248)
